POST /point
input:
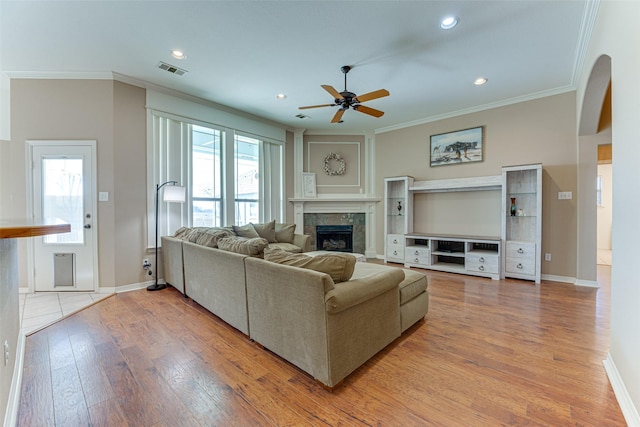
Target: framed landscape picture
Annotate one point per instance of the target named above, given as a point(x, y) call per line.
point(461, 146)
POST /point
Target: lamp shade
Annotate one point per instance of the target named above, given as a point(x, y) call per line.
point(174, 193)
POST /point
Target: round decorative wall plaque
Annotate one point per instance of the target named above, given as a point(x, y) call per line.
point(334, 165)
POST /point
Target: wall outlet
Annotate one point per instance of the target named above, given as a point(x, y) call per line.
point(6, 353)
point(547, 257)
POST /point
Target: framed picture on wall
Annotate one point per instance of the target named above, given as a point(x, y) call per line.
point(309, 184)
point(461, 146)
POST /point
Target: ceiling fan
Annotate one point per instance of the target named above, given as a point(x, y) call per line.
point(346, 99)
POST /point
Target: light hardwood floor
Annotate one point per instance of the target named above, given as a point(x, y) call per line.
point(488, 353)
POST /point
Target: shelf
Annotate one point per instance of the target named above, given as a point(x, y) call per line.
point(451, 254)
point(458, 184)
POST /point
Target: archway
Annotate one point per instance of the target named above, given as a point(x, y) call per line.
point(589, 137)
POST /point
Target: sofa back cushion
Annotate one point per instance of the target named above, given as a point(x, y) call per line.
point(285, 232)
point(205, 236)
point(252, 247)
point(245, 231)
point(266, 231)
point(337, 265)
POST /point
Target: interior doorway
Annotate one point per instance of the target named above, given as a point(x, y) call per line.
point(605, 204)
point(62, 185)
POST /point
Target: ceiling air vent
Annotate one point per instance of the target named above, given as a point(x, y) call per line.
point(171, 68)
point(302, 116)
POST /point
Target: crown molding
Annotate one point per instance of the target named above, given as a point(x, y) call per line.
point(589, 17)
point(478, 108)
point(61, 75)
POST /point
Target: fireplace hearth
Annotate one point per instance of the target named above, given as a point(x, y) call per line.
point(337, 238)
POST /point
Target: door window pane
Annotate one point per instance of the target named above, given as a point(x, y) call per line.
point(63, 197)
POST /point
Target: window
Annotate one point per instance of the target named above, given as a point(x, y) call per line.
point(231, 177)
point(599, 191)
point(206, 177)
point(247, 179)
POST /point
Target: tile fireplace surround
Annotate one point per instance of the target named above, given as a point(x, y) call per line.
point(359, 212)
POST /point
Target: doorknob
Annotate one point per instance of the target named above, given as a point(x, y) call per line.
point(87, 226)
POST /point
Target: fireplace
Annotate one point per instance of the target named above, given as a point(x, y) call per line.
point(337, 238)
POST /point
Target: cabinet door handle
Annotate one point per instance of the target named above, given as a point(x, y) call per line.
point(416, 260)
point(416, 253)
point(519, 266)
point(395, 252)
point(481, 268)
point(481, 259)
point(520, 250)
point(395, 240)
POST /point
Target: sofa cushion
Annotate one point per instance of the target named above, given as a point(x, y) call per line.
point(289, 247)
point(252, 247)
point(338, 266)
point(414, 284)
point(266, 231)
point(285, 232)
point(245, 231)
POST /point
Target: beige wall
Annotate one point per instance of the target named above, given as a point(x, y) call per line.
point(113, 114)
point(615, 31)
point(537, 131)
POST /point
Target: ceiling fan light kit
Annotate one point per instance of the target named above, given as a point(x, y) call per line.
point(346, 99)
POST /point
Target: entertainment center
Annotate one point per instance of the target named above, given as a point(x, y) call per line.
point(516, 253)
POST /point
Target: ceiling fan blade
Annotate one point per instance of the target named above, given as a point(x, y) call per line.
point(332, 91)
point(316, 106)
point(338, 116)
point(368, 110)
point(372, 95)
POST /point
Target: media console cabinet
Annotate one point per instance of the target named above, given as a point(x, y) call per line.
point(516, 253)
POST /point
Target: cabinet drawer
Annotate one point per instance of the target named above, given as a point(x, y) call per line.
point(521, 250)
point(396, 253)
point(520, 265)
point(395, 240)
point(482, 263)
point(416, 255)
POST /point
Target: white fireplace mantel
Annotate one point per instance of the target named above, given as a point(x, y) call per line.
point(340, 204)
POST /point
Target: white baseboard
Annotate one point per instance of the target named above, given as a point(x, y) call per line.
point(629, 411)
point(11, 415)
point(128, 288)
point(587, 283)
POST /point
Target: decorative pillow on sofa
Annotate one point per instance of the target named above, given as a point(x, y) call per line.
point(252, 247)
point(337, 265)
point(284, 232)
point(211, 236)
point(245, 231)
point(182, 233)
point(266, 231)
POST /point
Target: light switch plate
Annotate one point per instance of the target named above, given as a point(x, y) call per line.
point(565, 195)
point(103, 196)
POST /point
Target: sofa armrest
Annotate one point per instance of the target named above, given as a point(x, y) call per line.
point(349, 294)
point(302, 241)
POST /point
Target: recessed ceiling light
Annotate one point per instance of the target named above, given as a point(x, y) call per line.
point(448, 22)
point(281, 96)
point(178, 54)
point(480, 81)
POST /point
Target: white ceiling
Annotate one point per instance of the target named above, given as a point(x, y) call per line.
point(242, 53)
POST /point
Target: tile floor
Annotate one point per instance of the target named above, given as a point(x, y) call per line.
point(42, 309)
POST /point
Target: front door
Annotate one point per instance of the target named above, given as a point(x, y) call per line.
point(63, 187)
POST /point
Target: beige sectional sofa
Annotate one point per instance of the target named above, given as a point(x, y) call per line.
point(324, 326)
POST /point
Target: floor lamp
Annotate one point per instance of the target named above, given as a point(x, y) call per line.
point(172, 193)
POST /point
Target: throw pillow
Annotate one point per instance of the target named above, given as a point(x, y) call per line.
point(252, 247)
point(266, 231)
point(211, 236)
point(182, 232)
point(284, 232)
point(337, 265)
point(245, 231)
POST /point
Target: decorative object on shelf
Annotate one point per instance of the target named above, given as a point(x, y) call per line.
point(341, 165)
point(520, 212)
point(172, 193)
point(462, 146)
point(309, 184)
point(399, 207)
point(513, 206)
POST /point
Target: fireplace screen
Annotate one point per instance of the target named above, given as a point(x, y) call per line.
point(334, 238)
